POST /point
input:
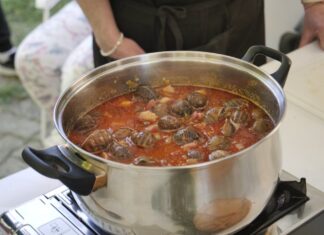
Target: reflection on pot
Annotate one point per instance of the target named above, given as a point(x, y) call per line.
point(221, 214)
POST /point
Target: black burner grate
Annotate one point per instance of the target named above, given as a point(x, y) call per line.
point(288, 196)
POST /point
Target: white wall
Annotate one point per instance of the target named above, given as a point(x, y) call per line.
point(281, 16)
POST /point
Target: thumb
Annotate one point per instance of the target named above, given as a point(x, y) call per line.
point(307, 37)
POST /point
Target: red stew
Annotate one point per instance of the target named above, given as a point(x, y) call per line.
point(171, 126)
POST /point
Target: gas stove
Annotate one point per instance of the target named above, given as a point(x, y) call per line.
point(291, 211)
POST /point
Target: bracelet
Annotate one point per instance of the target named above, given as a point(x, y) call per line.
point(311, 1)
point(119, 41)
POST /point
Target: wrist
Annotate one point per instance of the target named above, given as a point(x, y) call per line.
point(106, 38)
point(112, 49)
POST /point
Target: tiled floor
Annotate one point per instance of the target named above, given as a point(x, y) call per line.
point(19, 126)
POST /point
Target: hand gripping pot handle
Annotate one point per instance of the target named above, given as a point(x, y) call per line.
point(51, 162)
point(281, 74)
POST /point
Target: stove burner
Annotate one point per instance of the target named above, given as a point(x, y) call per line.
point(58, 210)
point(288, 196)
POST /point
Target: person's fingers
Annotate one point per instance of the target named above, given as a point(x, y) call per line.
point(321, 39)
point(136, 45)
point(307, 37)
point(140, 50)
point(137, 49)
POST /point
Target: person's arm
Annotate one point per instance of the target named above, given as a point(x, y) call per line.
point(313, 23)
point(106, 32)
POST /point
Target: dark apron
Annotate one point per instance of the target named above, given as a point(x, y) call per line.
point(222, 26)
point(5, 43)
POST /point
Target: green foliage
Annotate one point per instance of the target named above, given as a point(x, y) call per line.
point(23, 17)
point(10, 91)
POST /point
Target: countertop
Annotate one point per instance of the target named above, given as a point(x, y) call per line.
point(302, 131)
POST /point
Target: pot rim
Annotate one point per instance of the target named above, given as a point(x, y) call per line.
point(193, 56)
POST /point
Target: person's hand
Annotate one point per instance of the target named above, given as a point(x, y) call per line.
point(127, 48)
point(313, 24)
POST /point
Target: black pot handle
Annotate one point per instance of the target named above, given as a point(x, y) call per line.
point(52, 163)
point(281, 74)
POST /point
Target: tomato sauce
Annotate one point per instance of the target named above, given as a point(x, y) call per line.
point(137, 115)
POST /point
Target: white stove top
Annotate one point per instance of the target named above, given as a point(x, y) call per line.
point(302, 130)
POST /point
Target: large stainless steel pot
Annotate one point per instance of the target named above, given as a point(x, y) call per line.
point(220, 196)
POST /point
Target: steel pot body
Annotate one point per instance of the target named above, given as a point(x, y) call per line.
point(217, 197)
